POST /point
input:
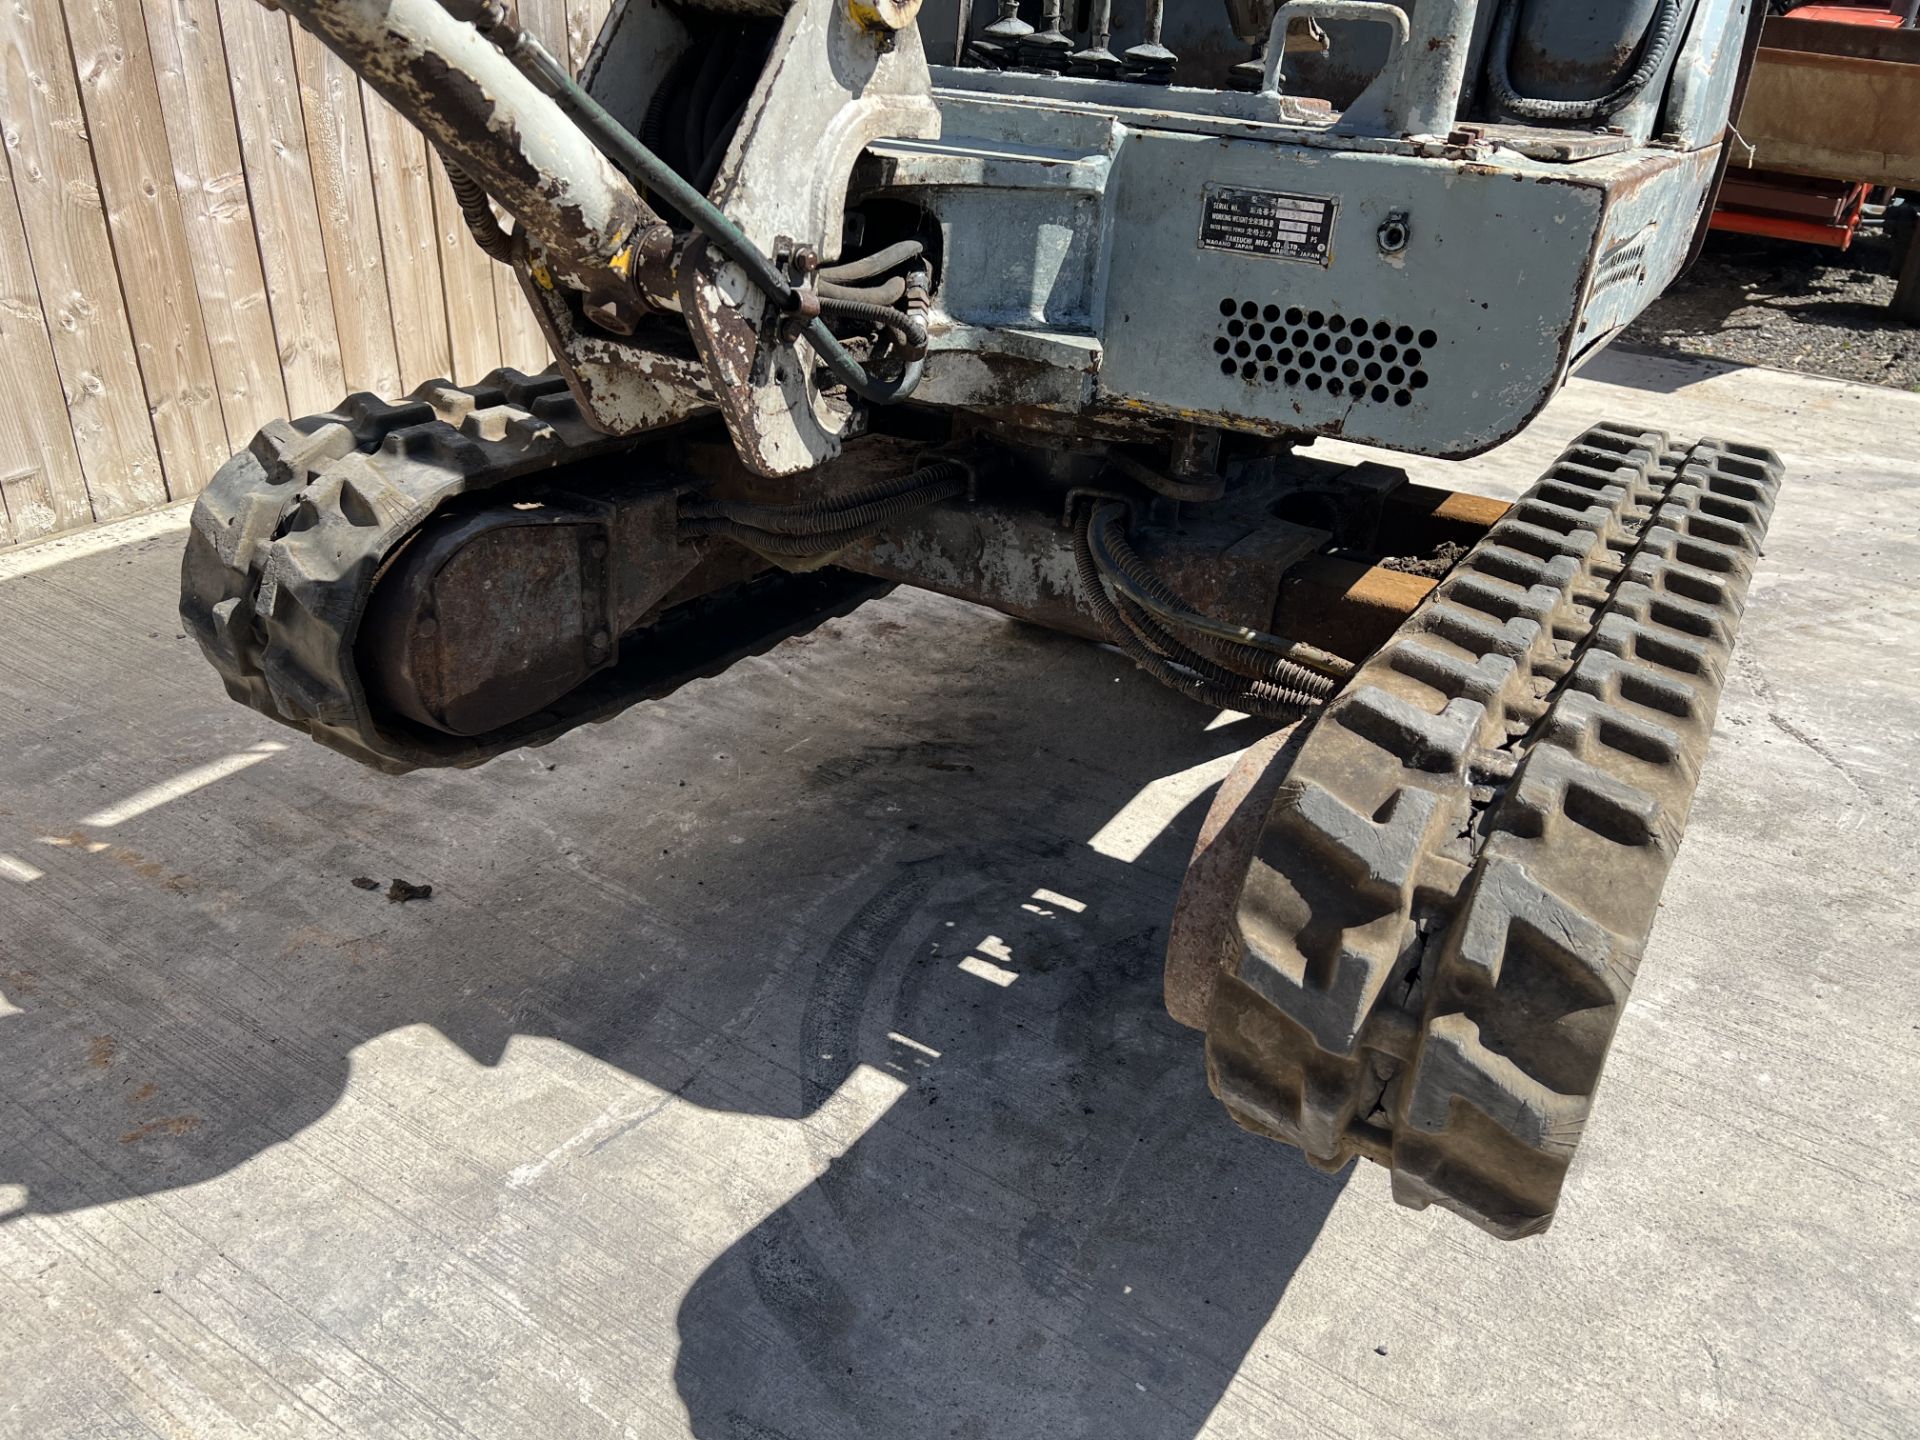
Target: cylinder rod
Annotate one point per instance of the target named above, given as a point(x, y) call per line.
point(492, 122)
point(1436, 59)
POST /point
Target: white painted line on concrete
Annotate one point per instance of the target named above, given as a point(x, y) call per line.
point(1143, 819)
point(41, 555)
point(987, 970)
point(14, 868)
point(1054, 897)
point(911, 1044)
point(197, 778)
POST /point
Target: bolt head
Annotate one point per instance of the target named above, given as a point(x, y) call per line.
point(615, 316)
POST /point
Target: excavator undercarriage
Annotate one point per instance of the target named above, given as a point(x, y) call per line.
point(1052, 330)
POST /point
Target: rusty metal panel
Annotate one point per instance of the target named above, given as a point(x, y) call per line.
point(1347, 607)
point(487, 617)
point(1837, 101)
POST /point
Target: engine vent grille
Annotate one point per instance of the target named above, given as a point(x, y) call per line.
point(1348, 356)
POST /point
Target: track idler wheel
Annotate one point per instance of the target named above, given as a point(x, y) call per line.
point(1409, 931)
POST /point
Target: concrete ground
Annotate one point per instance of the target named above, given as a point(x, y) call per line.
point(693, 1101)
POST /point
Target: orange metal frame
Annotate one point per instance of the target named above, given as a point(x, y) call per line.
point(1735, 221)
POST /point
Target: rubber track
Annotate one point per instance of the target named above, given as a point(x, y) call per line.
point(289, 537)
point(1465, 857)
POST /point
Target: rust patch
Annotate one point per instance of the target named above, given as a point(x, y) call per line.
point(144, 866)
point(145, 1093)
point(149, 869)
point(100, 1051)
point(170, 1125)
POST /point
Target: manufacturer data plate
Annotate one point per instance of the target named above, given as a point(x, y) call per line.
point(1268, 222)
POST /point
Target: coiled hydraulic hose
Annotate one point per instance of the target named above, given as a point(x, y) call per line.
point(1662, 31)
point(1165, 643)
point(1175, 665)
point(494, 243)
point(824, 527)
point(652, 173)
point(1289, 662)
point(890, 293)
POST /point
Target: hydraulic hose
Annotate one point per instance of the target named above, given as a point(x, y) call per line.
point(911, 329)
point(871, 267)
point(494, 242)
point(1292, 663)
point(1253, 697)
point(647, 169)
point(1165, 643)
point(890, 293)
point(1662, 31)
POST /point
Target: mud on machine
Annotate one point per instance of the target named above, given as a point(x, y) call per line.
point(1051, 327)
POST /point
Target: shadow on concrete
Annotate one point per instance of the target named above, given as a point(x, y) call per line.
point(1050, 1233)
point(812, 874)
point(1623, 363)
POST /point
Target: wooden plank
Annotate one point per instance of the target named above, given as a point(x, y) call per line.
point(122, 105)
point(273, 142)
point(190, 67)
point(7, 483)
point(26, 499)
point(521, 343)
point(522, 346)
point(349, 224)
point(66, 232)
point(584, 19)
point(473, 328)
point(409, 242)
point(42, 487)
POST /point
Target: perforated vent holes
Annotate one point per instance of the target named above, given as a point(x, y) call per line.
point(1344, 355)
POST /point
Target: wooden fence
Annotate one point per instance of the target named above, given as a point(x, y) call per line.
point(206, 222)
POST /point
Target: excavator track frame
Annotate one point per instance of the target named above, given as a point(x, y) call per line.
point(291, 536)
